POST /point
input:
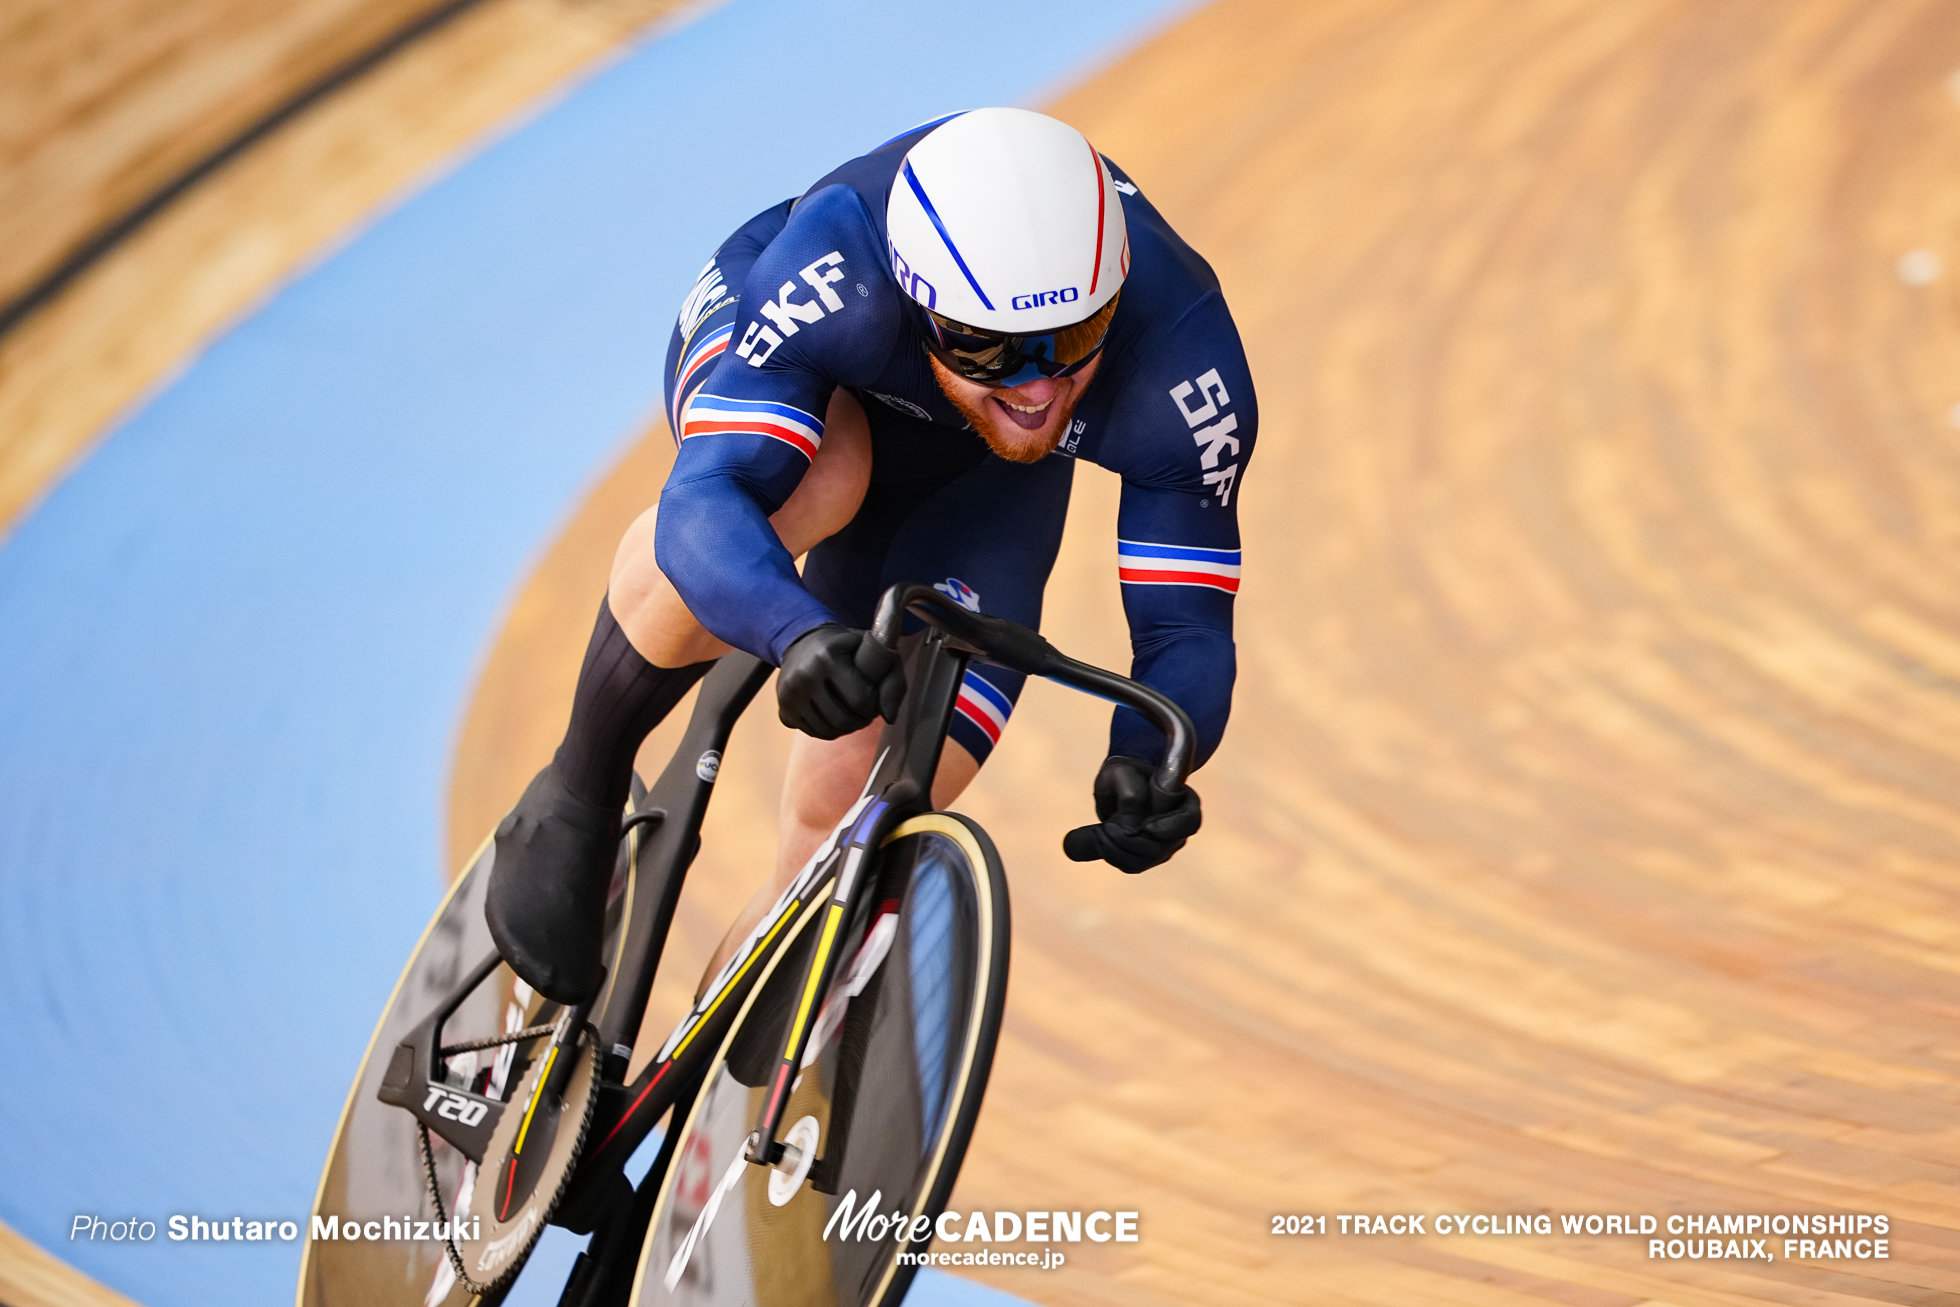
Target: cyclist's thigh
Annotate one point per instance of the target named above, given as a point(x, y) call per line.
point(987, 534)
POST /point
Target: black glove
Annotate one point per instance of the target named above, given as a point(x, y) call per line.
point(836, 680)
point(1140, 827)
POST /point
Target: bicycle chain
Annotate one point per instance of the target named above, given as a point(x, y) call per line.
point(512, 1037)
point(435, 1196)
point(429, 1156)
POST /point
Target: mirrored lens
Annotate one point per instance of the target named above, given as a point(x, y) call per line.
point(987, 356)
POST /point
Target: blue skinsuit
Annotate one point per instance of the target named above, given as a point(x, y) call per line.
point(802, 299)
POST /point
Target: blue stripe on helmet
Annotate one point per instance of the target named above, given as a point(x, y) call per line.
point(912, 180)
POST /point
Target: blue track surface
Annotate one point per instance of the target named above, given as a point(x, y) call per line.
point(236, 644)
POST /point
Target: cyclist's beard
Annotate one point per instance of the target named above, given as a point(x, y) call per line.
point(1011, 442)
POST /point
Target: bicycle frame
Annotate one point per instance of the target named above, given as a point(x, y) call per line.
point(664, 831)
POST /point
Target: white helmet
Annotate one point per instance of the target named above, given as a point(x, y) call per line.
point(1007, 221)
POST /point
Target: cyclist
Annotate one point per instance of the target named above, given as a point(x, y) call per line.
point(895, 374)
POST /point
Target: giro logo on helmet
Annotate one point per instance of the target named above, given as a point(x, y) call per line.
point(1067, 295)
point(911, 282)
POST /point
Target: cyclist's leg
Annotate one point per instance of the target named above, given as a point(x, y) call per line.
point(546, 896)
point(988, 534)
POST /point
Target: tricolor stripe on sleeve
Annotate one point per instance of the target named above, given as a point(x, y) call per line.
point(1140, 563)
point(695, 366)
point(708, 414)
point(984, 706)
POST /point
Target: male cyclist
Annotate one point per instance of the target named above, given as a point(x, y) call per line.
point(895, 375)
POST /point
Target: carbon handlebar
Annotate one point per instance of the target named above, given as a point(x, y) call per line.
point(1016, 647)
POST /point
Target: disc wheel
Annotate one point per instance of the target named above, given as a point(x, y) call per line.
point(879, 1118)
point(375, 1169)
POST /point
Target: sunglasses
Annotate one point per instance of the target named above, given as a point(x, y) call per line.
point(999, 359)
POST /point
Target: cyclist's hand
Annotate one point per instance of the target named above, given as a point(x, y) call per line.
point(836, 680)
point(1140, 827)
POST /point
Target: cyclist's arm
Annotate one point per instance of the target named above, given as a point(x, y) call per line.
point(1186, 429)
point(1179, 578)
point(752, 430)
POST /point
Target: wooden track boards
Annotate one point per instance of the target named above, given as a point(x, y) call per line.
point(1585, 840)
point(182, 86)
point(30, 1277)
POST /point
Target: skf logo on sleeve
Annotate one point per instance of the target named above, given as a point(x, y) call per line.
point(1216, 441)
point(759, 342)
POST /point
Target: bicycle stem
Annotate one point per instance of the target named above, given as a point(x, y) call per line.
point(1019, 649)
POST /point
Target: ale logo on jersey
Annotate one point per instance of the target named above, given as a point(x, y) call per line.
point(1043, 298)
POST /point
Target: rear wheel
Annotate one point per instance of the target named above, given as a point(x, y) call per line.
point(377, 1174)
point(880, 1117)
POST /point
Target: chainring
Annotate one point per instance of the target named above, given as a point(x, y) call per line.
point(514, 1196)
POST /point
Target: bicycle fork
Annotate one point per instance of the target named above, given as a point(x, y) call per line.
point(903, 784)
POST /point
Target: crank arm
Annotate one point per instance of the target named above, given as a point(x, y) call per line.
point(464, 1120)
point(414, 1079)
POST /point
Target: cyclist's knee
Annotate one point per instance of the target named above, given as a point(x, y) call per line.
point(826, 776)
point(957, 768)
point(648, 608)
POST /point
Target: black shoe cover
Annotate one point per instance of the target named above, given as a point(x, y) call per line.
point(548, 880)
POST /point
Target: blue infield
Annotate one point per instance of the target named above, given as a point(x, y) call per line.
point(236, 643)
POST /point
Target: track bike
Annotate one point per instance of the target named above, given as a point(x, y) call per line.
point(819, 1094)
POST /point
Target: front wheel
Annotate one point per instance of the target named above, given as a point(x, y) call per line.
point(879, 1119)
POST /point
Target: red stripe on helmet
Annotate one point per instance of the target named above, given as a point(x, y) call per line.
point(1102, 198)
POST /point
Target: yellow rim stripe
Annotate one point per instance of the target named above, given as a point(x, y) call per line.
point(941, 824)
point(625, 924)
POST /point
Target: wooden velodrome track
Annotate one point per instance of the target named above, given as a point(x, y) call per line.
point(1585, 840)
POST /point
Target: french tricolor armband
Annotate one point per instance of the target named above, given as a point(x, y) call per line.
point(1141, 563)
point(710, 414)
point(984, 706)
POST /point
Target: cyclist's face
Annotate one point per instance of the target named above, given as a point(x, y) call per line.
point(1023, 423)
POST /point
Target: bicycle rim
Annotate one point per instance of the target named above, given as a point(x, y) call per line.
point(905, 1038)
